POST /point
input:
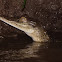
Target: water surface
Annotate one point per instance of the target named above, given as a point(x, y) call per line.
point(23, 49)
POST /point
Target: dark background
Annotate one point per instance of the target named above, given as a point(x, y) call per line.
point(12, 41)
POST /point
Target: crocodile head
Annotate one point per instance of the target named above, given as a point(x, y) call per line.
point(29, 27)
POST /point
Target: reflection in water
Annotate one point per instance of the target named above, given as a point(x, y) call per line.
point(16, 50)
point(31, 50)
point(7, 52)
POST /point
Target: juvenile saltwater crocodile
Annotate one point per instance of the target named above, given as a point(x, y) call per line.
point(31, 28)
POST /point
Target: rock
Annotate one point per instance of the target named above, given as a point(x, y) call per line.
point(48, 13)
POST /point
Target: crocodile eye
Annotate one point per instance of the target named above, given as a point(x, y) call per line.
point(23, 19)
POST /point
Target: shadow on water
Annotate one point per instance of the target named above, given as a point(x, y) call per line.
point(23, 49)
point(20, 41)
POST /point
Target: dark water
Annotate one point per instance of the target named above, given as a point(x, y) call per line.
point(23, 49)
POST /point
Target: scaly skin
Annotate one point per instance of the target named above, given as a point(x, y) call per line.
point(36, 33)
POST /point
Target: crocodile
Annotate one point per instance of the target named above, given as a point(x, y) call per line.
point(30, 27)
point(47, 13)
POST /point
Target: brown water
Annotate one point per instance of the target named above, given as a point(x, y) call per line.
point(23, 49)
